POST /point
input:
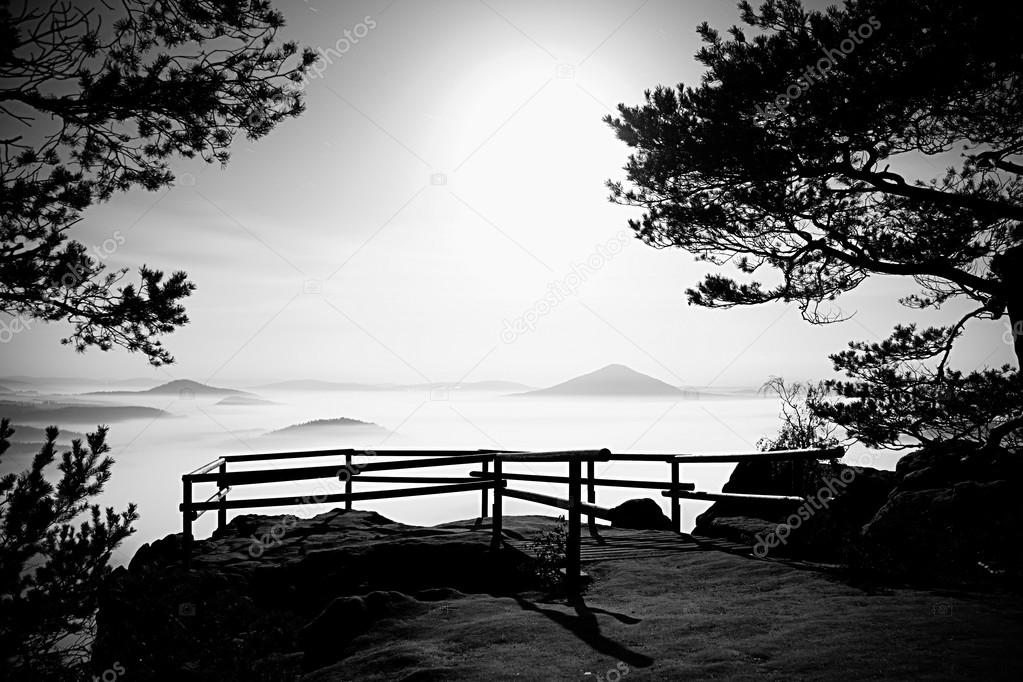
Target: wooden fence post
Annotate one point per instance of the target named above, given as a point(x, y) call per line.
point(495, 538)
point(484, 492)
point(222, 512)
point(186, 519)
point(798, 474)
point(676, 502)
point(572, 548)
point(591, 497)
point(348, 482)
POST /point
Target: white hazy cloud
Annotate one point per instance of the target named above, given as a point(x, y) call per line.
point(450, 166)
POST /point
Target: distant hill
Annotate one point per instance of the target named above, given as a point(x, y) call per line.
point(327, 433)
point(183, 385)
point(35, 436)
point(326, 424)
point(178, 387)
point(29, 382)
point(14, 385)
point(613, 380)
point(244, 400)
point(62, 413)
point(22, 383)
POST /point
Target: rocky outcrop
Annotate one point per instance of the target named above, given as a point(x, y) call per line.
point(642, 514)
point(945, 464)
point(271, 597)
point(949, 513)
point(840, 499)
point(954, 516)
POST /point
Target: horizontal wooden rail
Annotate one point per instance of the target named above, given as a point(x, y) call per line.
point(550, 500)
point(730, 497)
point(270, 475)
point(594, 510)
point(331, 471)
point(432, 462)
point(301, 454)
point(559, 502)
point(293, 454)
point(830, 453)
point(602, 455)
point(205, 468)
point(642, 457)
point(341, 497)
point(363, 478)
point(518, 455)
point(219, 495)
point(608, 482)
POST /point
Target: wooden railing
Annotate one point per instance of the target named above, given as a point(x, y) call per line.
point(483, 480)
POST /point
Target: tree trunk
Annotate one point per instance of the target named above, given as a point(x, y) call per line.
point(1015, 308)
point(1008, 267)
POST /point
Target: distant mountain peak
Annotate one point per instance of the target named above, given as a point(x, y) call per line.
point(184, 386)
point(618, 368)
point(611, 380)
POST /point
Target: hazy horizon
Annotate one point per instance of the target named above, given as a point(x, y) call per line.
point(41, 381)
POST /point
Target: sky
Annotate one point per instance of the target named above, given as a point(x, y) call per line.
point(439, 214)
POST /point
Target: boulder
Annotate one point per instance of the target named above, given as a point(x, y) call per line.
point(642, 514)
point(834, 524)
point(840, 500)
point(944, 464)
point(954, 517)
point(286, 595)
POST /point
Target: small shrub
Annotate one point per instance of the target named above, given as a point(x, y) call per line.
point(549, 547)
point(801, 427)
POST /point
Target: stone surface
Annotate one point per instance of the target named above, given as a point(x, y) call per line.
point(325, 637)
point(944, 465)
point(840, 500)
point(642, 514)
point(950, 513)
point(285, 595)
point(954, 516)
point(694, 614)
